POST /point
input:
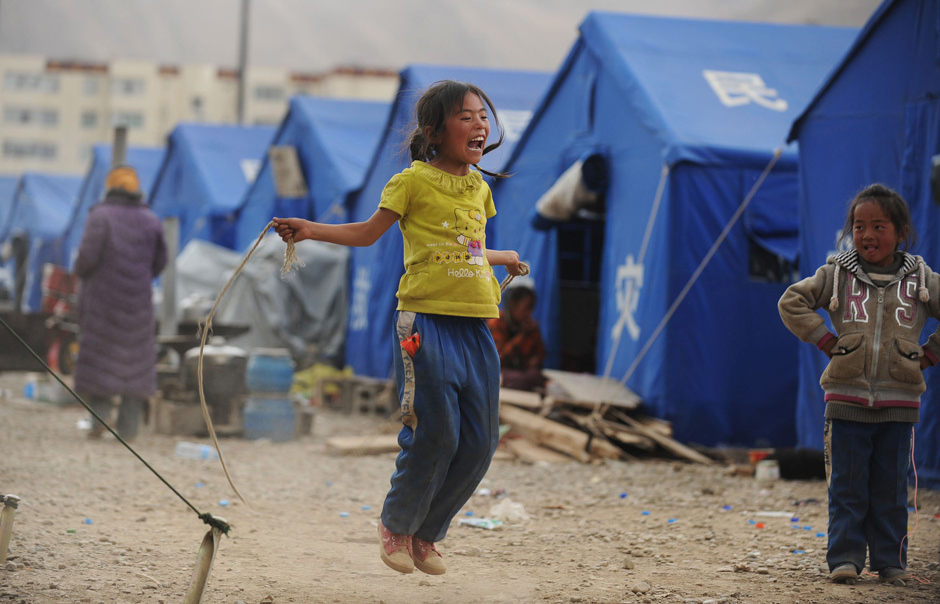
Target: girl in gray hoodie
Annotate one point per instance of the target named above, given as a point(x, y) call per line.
point(878, 298)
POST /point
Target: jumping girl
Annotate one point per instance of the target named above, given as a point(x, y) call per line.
point(446, 364)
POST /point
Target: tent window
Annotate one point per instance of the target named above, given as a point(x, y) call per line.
point(765, 266)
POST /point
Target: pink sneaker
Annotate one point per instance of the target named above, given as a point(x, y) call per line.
point(395, 550)
point(426, 557)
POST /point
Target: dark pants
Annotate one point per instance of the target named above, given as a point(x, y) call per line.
point(866, 466)
point(449, 392)
point(128, 419)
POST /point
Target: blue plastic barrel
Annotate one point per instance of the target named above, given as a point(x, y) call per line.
point(269, 370)
point(273, 418)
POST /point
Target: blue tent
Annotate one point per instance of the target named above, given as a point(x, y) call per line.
point(145, 160)
point(376, 270)
point(670, 123)
point(8, 186)
point(41, 209)
point(335, 140)
point(7, 190)
point(204, 177)
point(876, 119)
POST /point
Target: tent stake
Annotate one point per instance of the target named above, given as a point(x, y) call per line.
point(210, 544)
point(10, 503)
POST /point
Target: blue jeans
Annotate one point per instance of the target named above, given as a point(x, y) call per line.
point(449, 392)
point(866, 468)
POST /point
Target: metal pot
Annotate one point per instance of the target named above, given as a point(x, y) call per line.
point(223, 376)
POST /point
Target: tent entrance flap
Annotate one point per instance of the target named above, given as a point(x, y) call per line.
point(573, 207)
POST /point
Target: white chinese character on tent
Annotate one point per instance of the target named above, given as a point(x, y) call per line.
point(629, 283)
point(737, 88)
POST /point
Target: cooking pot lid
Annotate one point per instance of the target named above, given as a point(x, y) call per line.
point(216, 350)
point(270, 352)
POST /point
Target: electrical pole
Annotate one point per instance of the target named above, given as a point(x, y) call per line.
point(242, 59)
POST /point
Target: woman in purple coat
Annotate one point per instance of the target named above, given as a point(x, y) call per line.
point(121, 252)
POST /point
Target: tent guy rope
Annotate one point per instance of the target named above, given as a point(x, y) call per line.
point(601, 408)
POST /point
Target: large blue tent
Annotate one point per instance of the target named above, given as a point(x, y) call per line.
point(204, 176)
point(334, 140)
point(672, 123)
point(376, 270)
point(41, 209)
point(876, 119)
point(145, 160)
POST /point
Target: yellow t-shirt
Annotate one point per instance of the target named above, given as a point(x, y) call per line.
point(443, 221)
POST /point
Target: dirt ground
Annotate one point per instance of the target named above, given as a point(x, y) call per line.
point(95, 525)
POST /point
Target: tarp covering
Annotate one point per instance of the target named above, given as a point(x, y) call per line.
point(204, 176)
point(145, 160)
point(41, 209)
point(335, 140)
point(304, 312)
point(709, 101)
point(853, 134)
point(376, 270)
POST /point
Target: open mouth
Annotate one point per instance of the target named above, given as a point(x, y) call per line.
point(476, 143)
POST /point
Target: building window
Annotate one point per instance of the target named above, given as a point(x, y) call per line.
point(90, 86)
point(30, 116)
point(22, 81)
point(89, 119)
point(269, 93)
point(13, 149)
point(131, 119)
point(127, 86)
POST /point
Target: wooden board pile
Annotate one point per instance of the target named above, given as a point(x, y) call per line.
point(581, 417)
point(586, 418)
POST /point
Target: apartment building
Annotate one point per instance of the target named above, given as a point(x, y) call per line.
point(54, 111)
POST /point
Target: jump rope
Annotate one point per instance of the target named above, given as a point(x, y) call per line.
point(218, 526)
point(291, 261)
point(910, 533)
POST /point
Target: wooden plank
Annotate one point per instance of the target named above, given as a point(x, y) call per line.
point(546, 432)
point(587, 389)
point(627, 436)
point(520, 398)
point(363, 445)
point(660, 425)
point(665, 442)
point(530, 452)
point(559, 437)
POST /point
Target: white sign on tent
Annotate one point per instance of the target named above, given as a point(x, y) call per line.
point(736, 88)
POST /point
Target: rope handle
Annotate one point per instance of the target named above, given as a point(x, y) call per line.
point(523, 271)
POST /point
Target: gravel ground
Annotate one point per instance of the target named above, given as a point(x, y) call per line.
point(95, 525)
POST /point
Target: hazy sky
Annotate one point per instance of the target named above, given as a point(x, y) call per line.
point(315, 35)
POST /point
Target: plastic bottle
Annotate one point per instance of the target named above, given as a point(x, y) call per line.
point(187, 450)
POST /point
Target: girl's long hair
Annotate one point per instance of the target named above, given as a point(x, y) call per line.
point(432, 110)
